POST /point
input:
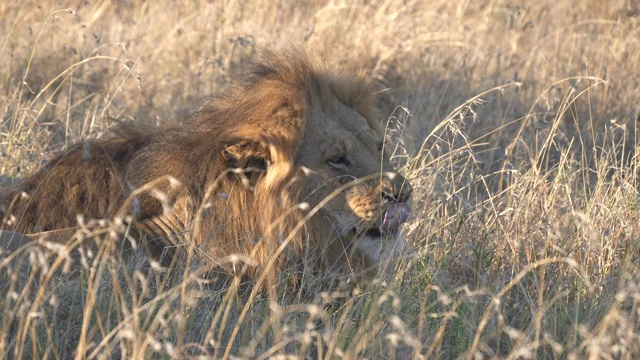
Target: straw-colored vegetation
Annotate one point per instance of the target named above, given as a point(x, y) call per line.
point(515, 121)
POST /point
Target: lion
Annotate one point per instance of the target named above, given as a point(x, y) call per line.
point(287, 169)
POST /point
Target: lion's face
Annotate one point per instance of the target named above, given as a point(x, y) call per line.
point(368, 198)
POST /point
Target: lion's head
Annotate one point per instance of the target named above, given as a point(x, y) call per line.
point(344, 151)
point(289, 161)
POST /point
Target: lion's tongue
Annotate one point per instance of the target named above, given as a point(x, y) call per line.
point(395, 216)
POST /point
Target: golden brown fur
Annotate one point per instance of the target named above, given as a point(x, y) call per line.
point(288, 131)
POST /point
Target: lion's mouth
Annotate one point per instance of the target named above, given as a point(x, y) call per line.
point(393, 218)
point(374, 233)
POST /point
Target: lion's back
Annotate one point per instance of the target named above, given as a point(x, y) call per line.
point(88, 179)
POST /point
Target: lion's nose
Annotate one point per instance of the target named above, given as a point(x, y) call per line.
point(396, 188)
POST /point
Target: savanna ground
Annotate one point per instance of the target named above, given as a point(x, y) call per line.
point(515, 121)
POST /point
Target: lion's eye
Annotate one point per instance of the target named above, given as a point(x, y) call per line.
point(338, 161)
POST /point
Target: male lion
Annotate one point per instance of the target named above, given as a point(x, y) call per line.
point(287, 168)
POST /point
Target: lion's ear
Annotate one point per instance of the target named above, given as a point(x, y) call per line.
point(265, 161)
point(269, 137)
point(246, 153)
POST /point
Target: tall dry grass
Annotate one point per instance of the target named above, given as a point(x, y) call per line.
point(515, 121)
